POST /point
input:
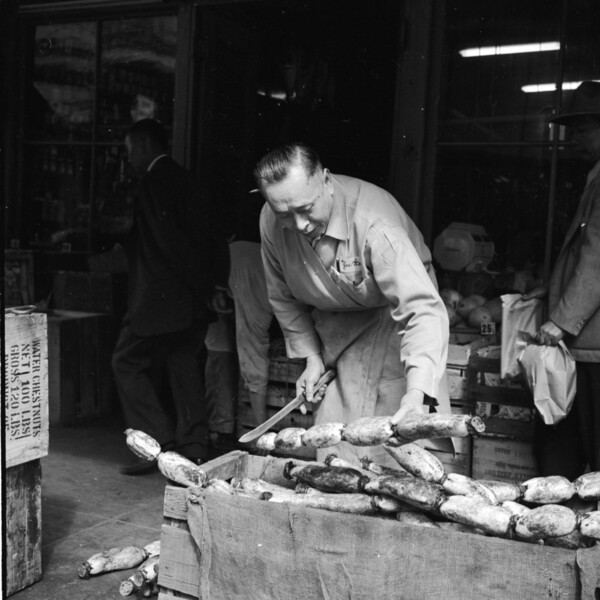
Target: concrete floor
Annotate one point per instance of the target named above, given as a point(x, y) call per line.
point(89, 507)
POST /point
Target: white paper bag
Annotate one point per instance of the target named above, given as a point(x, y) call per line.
point(518, 318)
point(551, 375)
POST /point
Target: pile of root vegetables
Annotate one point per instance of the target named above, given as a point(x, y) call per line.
point(543, 510)
point(143, 583)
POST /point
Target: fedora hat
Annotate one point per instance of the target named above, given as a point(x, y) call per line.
point(584, 103)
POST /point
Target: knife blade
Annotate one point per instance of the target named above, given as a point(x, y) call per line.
point(325, 379)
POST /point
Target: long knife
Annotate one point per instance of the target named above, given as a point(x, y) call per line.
point(326, 378)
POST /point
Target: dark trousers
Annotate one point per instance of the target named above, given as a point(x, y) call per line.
point(139, 364)
point(573, 444)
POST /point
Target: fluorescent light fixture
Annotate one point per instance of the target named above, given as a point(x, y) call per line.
point(509, 49)
point(549, 87)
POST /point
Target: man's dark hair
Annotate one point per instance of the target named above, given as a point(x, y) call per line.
point(151, 130)
point(274, 166)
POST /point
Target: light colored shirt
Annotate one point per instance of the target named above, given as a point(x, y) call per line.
point(381, 260)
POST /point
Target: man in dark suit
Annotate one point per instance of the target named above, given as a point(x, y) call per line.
point(175, 265)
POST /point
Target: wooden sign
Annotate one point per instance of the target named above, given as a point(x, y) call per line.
point(26, 382)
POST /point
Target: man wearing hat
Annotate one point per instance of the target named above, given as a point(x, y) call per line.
point(573, 295)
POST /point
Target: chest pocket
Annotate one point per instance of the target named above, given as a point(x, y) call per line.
point(363, 291)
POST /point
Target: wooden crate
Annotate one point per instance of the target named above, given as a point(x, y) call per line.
point(255, 549)
point(26, 423)
point(80, 377)
point(503, 459)
point(507, 407)
point(23, 525)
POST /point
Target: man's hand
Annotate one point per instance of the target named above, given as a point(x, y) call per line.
point(411, 403)
point(307, 381)
point(537, 293)
point(549, 334)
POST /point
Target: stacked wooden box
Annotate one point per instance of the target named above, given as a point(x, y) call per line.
point(26, 441)
point(505, 451)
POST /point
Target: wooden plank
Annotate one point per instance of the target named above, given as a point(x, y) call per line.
point(23, 526)
point(26, 420)
point(179, 562)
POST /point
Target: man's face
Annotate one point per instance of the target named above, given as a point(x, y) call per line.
point(586, 135)
point(302, 203)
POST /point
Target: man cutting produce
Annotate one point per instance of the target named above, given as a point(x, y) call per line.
point(351, 283)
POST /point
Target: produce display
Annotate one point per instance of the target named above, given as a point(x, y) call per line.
point(550, 510)
point(473, 310)
point(372, 431)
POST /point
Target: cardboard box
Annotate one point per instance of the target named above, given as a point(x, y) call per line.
point(23, 525)
point(503, 459)
point(26, 380)
point(223, 547)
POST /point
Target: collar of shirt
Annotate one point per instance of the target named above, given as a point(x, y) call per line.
point(338, 223)
point(594, 172)
point(151, 165)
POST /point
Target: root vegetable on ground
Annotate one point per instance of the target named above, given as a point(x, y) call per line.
point(114, 559)
point(147, 572)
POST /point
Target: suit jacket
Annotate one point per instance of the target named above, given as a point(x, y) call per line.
point(175, 254)
point(574, 293)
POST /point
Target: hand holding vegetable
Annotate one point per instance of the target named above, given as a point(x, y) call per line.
point(410, 403)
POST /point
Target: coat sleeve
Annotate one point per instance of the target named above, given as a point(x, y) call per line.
point(415, 305)
point(581, 296)
point(301, 339)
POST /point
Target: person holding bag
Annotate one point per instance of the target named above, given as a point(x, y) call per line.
point(573, 296)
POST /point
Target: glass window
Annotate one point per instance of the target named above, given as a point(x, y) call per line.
point(89, 82)
point(500, 163)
